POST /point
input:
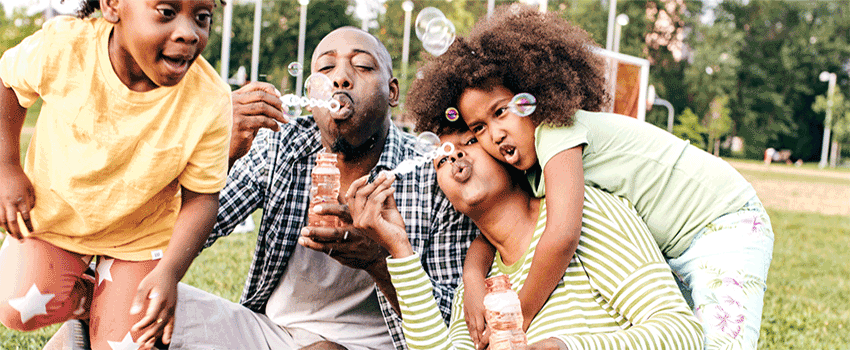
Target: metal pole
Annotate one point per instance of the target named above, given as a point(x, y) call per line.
point(302, 29)
point(616, 43)
point(827, 122)
point(544, 6)
point(255, 47)
point(405, 46)
point(612, 13)
point(226, 31)
point(491, 4)
point(665, 103)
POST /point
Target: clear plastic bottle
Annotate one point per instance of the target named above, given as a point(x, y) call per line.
point(325, 189)
point(503, 315)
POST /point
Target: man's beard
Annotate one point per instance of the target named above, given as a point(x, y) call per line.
point(351, 152)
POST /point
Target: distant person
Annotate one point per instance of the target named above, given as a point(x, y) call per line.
point(768, 155)
point(706, 219)
point(126, 162)
point(618, 292)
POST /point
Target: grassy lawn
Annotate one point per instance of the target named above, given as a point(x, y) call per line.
point(762, 175)
point(806, 304)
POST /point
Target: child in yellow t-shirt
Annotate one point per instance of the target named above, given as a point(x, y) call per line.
point(125, 164)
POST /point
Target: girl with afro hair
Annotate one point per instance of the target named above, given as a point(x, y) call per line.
point(707, 220)
point(123, 170)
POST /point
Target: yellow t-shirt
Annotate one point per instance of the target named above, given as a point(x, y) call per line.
point(106, 162)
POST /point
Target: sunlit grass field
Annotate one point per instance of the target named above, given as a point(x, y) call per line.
point(807, 304)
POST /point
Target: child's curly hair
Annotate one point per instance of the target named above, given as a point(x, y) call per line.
point(523, 50)
point(87, 7)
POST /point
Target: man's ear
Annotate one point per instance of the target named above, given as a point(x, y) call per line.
point(109, 9)
point(395, 91)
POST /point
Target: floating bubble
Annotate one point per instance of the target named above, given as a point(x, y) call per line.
point(427, 144)
point(291, 101)
point(424, 17)
point(292, 110)
point(319, 86)
point(452, 114)
point(439, 36)
point(420, 75)
point(523, 104)
point(295, 69)
point(437, 150)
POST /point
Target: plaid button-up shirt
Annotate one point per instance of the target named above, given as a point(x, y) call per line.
point(275, 176)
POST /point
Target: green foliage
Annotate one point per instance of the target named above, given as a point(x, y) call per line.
point(786, 45)
point(17, 26)
point(279, 36)
point(717, 121)
point(689, 128)
point(840, 115)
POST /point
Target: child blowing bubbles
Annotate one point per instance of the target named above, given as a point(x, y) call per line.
point(128, 156)
point(704, 216)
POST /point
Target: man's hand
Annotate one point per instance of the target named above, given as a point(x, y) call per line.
point(256, 105)
point(346, 244)
point(374, 211)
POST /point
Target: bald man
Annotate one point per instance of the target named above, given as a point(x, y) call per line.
point(322, 288)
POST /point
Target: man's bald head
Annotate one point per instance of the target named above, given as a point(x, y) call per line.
point(380, 52)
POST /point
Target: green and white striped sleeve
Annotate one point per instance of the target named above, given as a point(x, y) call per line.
point(626, 267)
point(422, 323)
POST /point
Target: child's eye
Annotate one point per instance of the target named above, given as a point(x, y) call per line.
point(166, 12)
point(204, 18)
point(500, 111)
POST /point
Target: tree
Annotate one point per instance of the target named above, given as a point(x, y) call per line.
point(689, 128)
point(786, 44)
point(717, 122)
point(279, 36)
point(840, 127)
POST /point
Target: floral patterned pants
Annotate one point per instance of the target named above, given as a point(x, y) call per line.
point(723, 273)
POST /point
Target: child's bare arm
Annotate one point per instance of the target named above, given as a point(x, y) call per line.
point(479, 259)
point(16, 192)
point(194, 223)
point(564, 178)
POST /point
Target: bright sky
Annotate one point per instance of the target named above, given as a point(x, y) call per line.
point(69, 6)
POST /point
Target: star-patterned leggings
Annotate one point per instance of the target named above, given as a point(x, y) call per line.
point(44, 285)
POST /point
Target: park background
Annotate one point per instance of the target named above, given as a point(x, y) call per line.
point(731, 69)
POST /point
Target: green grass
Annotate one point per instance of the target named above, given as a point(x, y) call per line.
point(766, 175)
point(809, 165)
point(806, 304)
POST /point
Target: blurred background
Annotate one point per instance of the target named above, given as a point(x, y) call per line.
point(741, 76)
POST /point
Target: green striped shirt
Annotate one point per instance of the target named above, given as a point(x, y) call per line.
point(617, 293)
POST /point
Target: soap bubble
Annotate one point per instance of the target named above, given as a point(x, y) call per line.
point(427, 144)
point(523, 104)
point(424, 17)
point(439, 35)
point(295, 69)
point(293, 110)
point(319, 86)
point(452, 114)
